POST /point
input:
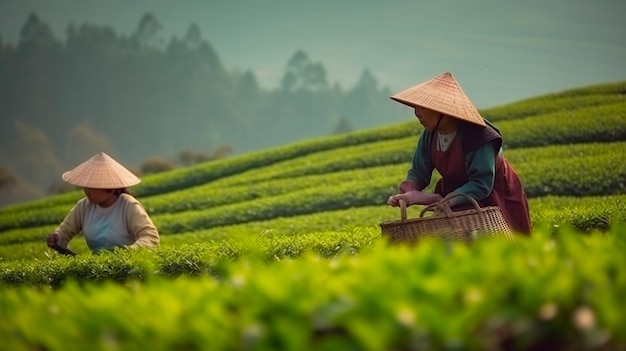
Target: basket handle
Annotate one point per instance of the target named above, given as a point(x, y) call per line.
point(444, 205)
point(402, 209)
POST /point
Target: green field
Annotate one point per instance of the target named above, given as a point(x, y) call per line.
point(281, 249)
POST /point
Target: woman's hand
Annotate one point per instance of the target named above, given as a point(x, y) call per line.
point(52, 239)
point(414, 197)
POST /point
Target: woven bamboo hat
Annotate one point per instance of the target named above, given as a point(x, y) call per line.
point(101, 172)
point(442, 94)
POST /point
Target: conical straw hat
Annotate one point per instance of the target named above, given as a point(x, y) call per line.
point(442, 94)
point(101, 172)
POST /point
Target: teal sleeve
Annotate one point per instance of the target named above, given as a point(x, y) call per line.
point(422, 166)
point(480, 168)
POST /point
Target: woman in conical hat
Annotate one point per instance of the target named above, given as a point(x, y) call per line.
point(108, 216)
point(465, 149)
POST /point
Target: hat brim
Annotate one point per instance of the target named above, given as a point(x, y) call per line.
point(101, 172)
point(444, 95)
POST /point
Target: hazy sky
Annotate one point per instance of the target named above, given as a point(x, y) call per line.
point(500, 51)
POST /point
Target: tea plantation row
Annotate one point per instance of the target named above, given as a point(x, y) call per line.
point(363, 295)
point(579, 120)
point(552, 170)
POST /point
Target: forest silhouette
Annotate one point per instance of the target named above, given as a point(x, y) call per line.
point(154, 105)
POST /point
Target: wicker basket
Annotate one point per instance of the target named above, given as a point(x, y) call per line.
point(446, 224)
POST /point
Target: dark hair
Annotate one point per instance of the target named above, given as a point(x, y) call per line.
point(121, 191)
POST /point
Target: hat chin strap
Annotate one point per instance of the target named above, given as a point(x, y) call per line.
point(438, 122)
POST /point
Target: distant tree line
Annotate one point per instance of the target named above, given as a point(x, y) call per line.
point(154, 103)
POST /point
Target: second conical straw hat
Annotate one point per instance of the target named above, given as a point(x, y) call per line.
point(101, 172)
point(442, 94)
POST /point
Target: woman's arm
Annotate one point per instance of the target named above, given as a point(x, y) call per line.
point(140, 224)
point(421, 171)
point(418, 177)
point(71, 225)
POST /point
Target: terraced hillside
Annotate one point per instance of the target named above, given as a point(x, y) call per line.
point(254, 231)
point(568, 148)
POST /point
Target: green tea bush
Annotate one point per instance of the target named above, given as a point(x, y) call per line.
point(209, 171)
point(604, 123)
point(583, 213)
point(44, 203)
point(549, 104)
point(549, 295)
point(198, 257)
point(603, 173)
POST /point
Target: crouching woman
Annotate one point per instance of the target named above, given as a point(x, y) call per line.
point(108, 216)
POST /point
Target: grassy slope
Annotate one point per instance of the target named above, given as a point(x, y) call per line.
point(339, 181)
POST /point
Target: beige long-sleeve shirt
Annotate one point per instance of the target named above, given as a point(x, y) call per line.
point(123, 224)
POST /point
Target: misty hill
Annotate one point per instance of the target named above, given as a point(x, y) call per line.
point(138, 99)
point(501, 51)
point(84, 77)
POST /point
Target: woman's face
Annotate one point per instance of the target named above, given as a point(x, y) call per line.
point(428, 118)
point(102, 197)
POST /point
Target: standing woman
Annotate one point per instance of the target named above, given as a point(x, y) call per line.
point(108, 216)
point(465, 149)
